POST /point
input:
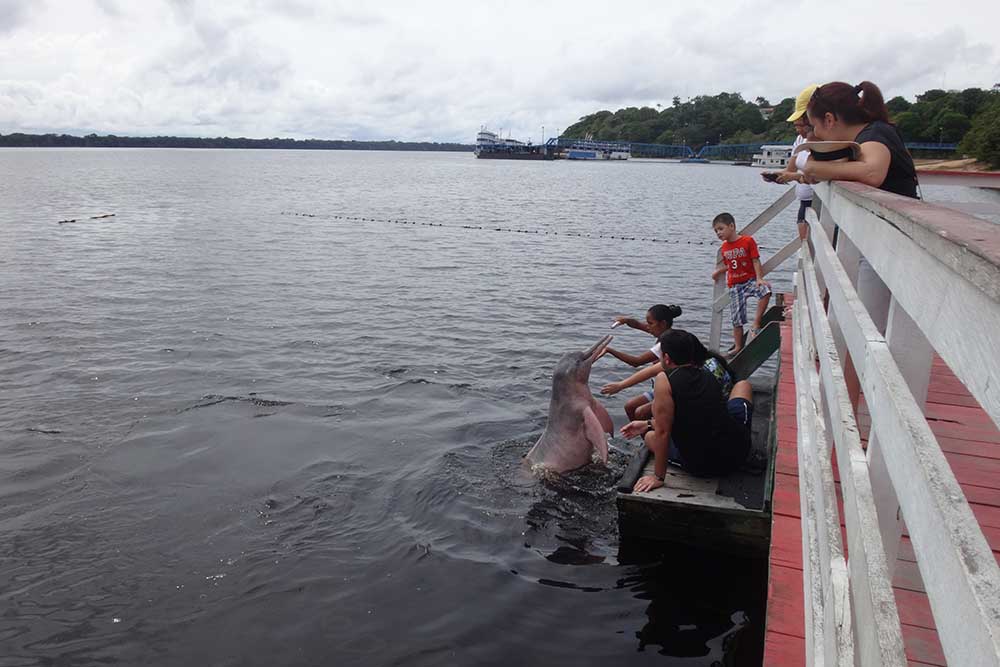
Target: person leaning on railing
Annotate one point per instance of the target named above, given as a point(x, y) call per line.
point(803, 191)
point(839, 111)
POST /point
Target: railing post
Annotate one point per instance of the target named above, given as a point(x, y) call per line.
point(874, 294)
point(913, 355)
point(715, 333)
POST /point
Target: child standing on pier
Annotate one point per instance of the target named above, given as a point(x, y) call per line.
point(744, 276)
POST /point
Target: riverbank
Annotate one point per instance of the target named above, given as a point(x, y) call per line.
point(963, 164)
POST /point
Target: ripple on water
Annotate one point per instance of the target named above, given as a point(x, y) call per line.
point(270, 439)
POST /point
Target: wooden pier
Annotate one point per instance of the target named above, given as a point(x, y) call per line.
point(885, 512)
point(886, 507)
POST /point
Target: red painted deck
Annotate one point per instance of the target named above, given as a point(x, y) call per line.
point(971, 443)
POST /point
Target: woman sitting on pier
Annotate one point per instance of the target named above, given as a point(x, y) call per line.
point(694, 424)
point(839, 111)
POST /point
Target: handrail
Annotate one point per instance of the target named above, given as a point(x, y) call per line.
point(878, 634)
point(824, 566)
point(942, 266)
point(940, 272)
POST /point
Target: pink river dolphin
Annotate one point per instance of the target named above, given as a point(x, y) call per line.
point(577, 423)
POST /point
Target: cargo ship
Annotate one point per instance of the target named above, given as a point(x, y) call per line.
point(492, 146)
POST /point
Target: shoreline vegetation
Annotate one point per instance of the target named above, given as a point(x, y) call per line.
point(970, 118)
point(22, 140)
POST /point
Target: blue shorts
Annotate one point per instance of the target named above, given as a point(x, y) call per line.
point(741, 410)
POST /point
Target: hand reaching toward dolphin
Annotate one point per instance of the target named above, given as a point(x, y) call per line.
point(634, 429)
point(611, 388)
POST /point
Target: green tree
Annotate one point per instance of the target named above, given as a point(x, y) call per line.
point(910, 125)
point(665, 137)
point(932, 95)
point(782, 110)
point(951, 126)
point(898, 105)
point(971, 100)
point(636, 131)
point(983, 139)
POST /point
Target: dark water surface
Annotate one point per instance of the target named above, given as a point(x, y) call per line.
point(235, 436)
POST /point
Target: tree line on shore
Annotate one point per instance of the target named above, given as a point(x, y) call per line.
point(18, 139)
point(969, 117)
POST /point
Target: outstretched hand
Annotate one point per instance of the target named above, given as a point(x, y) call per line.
point(611, 388)
point(647, 483)
point(633, 429)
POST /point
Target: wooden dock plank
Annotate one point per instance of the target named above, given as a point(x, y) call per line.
point(784, 642)
point(786, 613)
point(783, 650)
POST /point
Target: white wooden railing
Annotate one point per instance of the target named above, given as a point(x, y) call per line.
point(907, 280)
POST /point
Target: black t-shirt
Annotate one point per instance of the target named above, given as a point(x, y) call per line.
point(709, 440)
point(902, 175)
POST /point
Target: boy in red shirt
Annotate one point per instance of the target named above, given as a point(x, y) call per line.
point(744, 275)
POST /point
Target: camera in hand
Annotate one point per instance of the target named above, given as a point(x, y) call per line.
point(770, 176)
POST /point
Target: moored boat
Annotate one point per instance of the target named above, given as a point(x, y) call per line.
point(772, 156)
point(492, 146)
point(587, 149)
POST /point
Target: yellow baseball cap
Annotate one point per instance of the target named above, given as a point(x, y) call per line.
point(802, 101)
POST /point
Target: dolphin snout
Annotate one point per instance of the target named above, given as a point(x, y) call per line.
point(593, 353)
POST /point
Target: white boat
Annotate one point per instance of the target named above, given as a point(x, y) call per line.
point(598, 150)
point(772, 156)
point(488, 139)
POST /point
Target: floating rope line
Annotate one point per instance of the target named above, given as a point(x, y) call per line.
point(490, 228)
point(93, 217)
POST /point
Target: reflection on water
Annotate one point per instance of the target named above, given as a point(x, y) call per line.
point(238, 437)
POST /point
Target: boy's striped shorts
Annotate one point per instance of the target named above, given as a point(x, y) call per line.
point(738, 294)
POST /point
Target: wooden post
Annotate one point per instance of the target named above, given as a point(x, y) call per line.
point(913, 355)
point(911, 350)
point(874, 294)
point(715, 333)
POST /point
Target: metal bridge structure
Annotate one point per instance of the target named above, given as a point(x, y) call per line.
point(729, 151)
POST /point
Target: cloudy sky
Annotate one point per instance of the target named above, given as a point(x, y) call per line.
point(436, 70)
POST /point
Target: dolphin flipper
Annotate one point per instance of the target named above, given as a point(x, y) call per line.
point(594, 431)
point(603, 417)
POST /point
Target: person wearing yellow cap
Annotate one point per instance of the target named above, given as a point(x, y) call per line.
point(792, 172)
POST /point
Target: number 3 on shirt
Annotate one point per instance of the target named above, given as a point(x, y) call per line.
point(736, 264)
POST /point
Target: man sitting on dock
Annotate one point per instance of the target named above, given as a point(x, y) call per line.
point(694, 424)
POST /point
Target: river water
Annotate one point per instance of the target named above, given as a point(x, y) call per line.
point(242, 426)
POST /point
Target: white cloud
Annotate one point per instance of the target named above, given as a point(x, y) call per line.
point(438, 70)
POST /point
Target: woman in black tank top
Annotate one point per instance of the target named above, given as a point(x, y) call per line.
point(693, 419)
point(841, 112)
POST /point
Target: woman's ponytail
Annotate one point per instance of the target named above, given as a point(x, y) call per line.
point(871, 102)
